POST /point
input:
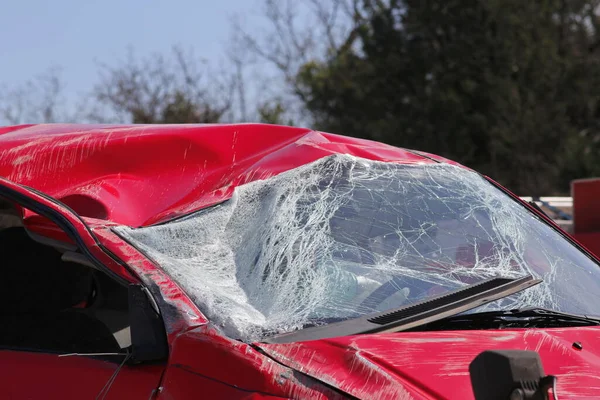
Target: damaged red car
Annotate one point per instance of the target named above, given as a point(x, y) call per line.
point(256, 261)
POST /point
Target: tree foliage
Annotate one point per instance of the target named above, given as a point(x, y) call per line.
point(273, 113)
point(508, 87)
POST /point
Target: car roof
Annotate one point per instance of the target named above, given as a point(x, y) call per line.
point(138, 175)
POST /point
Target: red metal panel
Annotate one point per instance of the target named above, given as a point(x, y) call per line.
point(590, 240)
point(586, 214)
point(182, 384)
point(436, 363)
point(204, 363)
point(47, 376)
point(138, 175)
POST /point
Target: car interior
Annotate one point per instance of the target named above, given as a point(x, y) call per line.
point(52, 299)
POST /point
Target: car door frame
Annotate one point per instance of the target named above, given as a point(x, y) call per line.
point(141, 380)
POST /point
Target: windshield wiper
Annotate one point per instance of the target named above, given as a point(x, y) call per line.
point(417, 314)
point(520, 318)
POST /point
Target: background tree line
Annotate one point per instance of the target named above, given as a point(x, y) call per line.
point(508, 87)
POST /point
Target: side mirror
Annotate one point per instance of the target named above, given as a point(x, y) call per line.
point(510, 374)
point(148, 335)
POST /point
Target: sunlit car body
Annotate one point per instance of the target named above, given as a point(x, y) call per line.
point(241, 234)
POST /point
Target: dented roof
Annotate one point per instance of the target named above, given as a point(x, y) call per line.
point(143, 174)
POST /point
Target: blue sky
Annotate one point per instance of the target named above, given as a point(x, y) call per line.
point(76, 35)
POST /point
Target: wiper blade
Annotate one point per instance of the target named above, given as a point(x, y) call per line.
point(415, 315)
point(533, 317)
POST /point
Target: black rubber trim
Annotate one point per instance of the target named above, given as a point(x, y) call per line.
point(440, 301)
point(186, 215)
point(418, 153)
point(415, 315)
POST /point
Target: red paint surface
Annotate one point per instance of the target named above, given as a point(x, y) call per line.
point(436, 363)
point(145, 174)
point(139, 175)
point(586, 218)
point(231, 369)
point(590, 240)
point(48, 376)
point(585, 193)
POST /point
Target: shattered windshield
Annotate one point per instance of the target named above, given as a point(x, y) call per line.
point(344, 236)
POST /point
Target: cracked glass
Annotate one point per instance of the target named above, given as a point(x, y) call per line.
point(344, 236)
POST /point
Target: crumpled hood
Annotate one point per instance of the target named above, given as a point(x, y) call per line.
point(137, 175)
point(435, 365)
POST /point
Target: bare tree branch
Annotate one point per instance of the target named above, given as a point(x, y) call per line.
point(160, 90)
point(39, 100)
point(292, 34)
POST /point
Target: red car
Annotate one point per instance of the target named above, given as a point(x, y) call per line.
point(255, 261)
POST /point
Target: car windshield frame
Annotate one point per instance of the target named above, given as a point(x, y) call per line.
point(147, 240)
